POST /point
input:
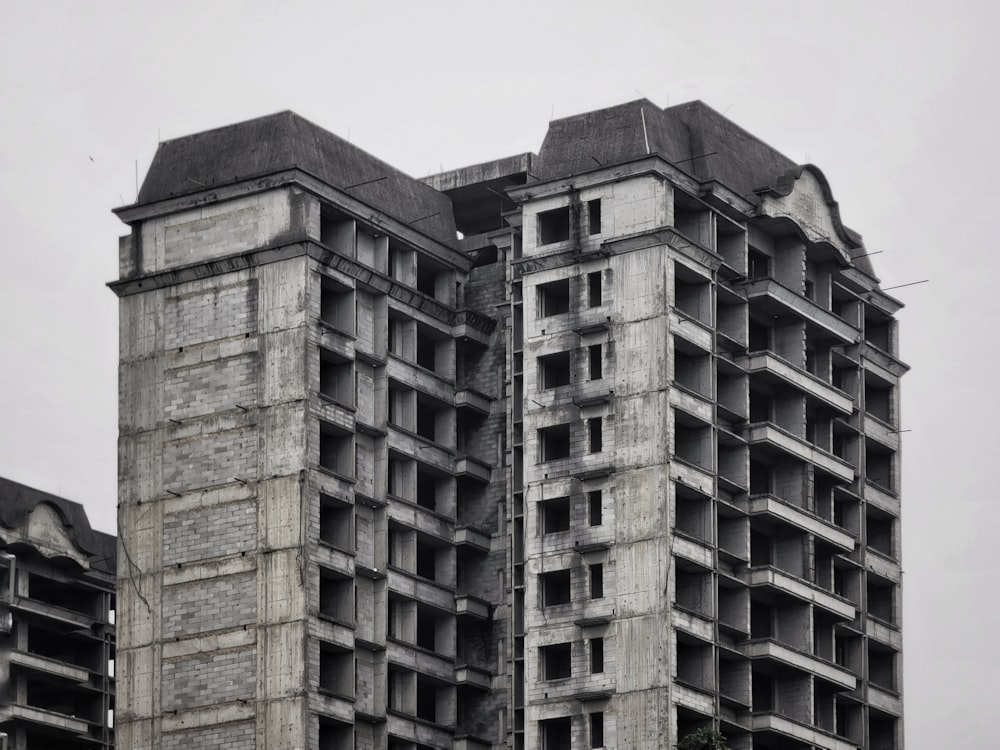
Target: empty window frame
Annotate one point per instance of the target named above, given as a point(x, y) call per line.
point(336, 305)
point(597, 581)
point(556, 661)
point(336, 669)
point(595, 426)
point(595, 357)
point(555, 515)
point(336, 378)
point(594, 507)
point(594, 284)
point(596, 655)
point(553, 298)
point(556, 734)
point(597, 729)
point(335, 523)
point(594, 216)
point(554, 442)
point(554, 370)
point(336, 596)
point(553, 226)
point(555, 586)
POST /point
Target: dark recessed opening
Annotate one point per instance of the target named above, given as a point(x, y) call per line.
point(555, 370)
point(557, 661)
point(553, 226)
point(594, 353)
point(554, 442)
point(594, 216)
point(555, 588)
point(553, 298)
point(594, 289)
point(594, 501)
point(555, 515)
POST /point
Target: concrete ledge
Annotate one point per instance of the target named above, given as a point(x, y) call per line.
point(800, 589)
point(49, 719)
point(766, 362)
point(768, 505)
point(799, 732)
point(49, 666)
point(778, 652)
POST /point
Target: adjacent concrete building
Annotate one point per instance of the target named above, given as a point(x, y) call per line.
point(588, 448)
point(57, 636)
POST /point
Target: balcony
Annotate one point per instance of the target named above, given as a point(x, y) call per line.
point(49, 667)
point(468, 674)
point(49, 719)
point(692, 624)
point(772, 436)
point(416, 659)
point(778, 652)
point(769, 365)
point(882, 499)
point(773, 507)
point(473, 468)
point(472, 606)
point(467, 398)
point(885, 700)
point(695, 552)
point(788, 584)
point(466, 535)
point(432, 594)
point(775, 299)
point(799, 732)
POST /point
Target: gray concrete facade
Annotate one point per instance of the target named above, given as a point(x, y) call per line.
point(591, 448)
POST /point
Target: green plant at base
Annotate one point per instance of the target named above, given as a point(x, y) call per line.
point(703, 739)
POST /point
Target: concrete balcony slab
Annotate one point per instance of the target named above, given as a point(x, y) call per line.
point(885, 700)
point(467, 674)
point(882, 499)
point(702, 702)
point(698, 334)
point(49, 667)
point(692, 551)
point(49, 719)
point(473, 400)
point(420, 660)
point(768, 505)
point(778, 652)
point(789, 584)
point(473, 538)
point(770, 365)
point(699, 406)
point(800, 732)
point(886, 634)
point(780, 300)
point(765, 433)
point(473, 468)
point(692, 624)
point(472, 606)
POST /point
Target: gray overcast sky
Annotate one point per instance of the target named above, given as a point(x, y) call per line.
point(894, 101)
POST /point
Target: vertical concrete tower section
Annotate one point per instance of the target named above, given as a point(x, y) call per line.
point(213, 447)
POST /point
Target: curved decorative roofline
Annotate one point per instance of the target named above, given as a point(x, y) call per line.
point(785, 184)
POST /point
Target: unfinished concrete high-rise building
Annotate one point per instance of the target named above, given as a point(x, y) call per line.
point(589, 448)
point(57, 634)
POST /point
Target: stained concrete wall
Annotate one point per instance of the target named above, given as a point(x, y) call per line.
point(211, 597)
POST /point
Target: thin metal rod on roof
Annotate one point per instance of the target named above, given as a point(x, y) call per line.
point(428, 216)
point(900, 286)
point(645, 135)
point(597, 160)
point(366, 182)
point(865, 255)
point(699, 156)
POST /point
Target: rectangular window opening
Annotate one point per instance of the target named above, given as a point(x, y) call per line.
point(557, 661)
point(553, 298)
point(554, 442)
point(594, 216)
point(555, 588)
point(594, 501)
point(597, 729)
point(594, 289)
point(594, 352)
point(596, 655)
point(596, 434)
point(554, 370)
point(597, 581)
point(553, 226)
point(555, 515)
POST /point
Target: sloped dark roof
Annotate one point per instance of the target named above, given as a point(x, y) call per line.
point(18, 500)
point(284, 141)
point(704, 142)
